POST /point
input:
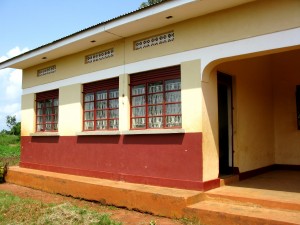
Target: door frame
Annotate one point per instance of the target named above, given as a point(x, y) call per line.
point(227, 80)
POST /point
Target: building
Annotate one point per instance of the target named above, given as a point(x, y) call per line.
point(177, 94)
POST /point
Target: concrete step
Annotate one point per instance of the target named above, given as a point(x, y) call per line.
point(215, 212)
point(162, 201)
point(262, 198)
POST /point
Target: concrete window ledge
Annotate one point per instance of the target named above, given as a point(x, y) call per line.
point(154, 131)
point(94, 133)
point(45, 134)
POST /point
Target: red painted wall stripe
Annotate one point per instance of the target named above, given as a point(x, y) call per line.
point(167, 160)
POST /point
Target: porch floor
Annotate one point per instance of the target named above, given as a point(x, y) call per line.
point(270, 198)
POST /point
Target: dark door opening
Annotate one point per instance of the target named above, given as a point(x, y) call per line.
point(225, 124)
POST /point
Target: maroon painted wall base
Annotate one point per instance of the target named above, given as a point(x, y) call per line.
point(171, 160)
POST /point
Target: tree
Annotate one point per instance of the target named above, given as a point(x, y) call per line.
point(15, 128)
point(11, 121)
point(150, 2)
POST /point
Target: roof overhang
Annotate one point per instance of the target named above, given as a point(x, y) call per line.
point(133, 23)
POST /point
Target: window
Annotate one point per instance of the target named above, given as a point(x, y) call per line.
point(101, 105)
point(156, 99)
point(47, 111)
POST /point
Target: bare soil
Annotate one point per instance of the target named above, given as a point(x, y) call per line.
point(127, 217)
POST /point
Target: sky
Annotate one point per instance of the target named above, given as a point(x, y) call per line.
point(28, 24)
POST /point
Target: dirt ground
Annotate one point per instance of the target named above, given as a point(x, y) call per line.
point(127, 217)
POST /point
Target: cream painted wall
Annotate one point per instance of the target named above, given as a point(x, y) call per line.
point(191, 96)
point(124, 102)
point(210, 148)
point(220, 27)
point(285, 70)
point(70, 110)
point(74, 65)
point(253, 106)
point(28, 114)
point(253, 116)
point(264, 115)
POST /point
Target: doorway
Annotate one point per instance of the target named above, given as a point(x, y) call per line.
point(225, 124)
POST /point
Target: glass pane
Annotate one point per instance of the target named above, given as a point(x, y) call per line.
point(55, 102)
point(139, 111)
point(89, 106)
point(155, 110)
point(101, 105)
point(89, 125)
point(155, 122)
point(48, 127)
point(101, 114)
point(172, 85)
point(114, 93)
point(39, 119)
point(174, 96)
point(155, 99)
point(173, 121)
point(56, 110)
point(55, 118)
point(88, 115)
point(39, 112)
point(48, 119)
point(114, 103)
point(55, 127)
point(101, 95)
point(101, 125)
point(114, 124)
point(138, 90)
point(48, 111)
point(114, 113)
point(173, 109)
point(40, 105)
point(40, 128)
point(139, 123)
point(155, 87)
point(89, 97)
point(49, 102)
point(139, 100)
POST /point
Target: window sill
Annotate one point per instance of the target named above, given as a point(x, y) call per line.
point(93, 133)
point(154, 131)
point(45, 134)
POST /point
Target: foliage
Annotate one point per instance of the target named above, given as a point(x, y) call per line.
point(149, 2)
point(15, 127)
point(11, 121)
point(9, 150)
point(15, 210)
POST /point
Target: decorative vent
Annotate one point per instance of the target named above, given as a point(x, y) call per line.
point(45, 71)
point(99, 56)
point(155, 40)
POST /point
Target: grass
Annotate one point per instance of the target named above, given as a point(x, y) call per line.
point(9, 149)
point(15, 210)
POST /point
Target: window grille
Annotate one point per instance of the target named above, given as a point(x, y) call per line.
point(99, 56)
point(45, 71)
point(101, 105)
point(156, 99)
point(155, 40)
point(47, 111)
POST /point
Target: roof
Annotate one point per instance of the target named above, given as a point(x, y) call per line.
point(129, 24)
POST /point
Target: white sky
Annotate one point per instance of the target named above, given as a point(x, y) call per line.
point(28, 24)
